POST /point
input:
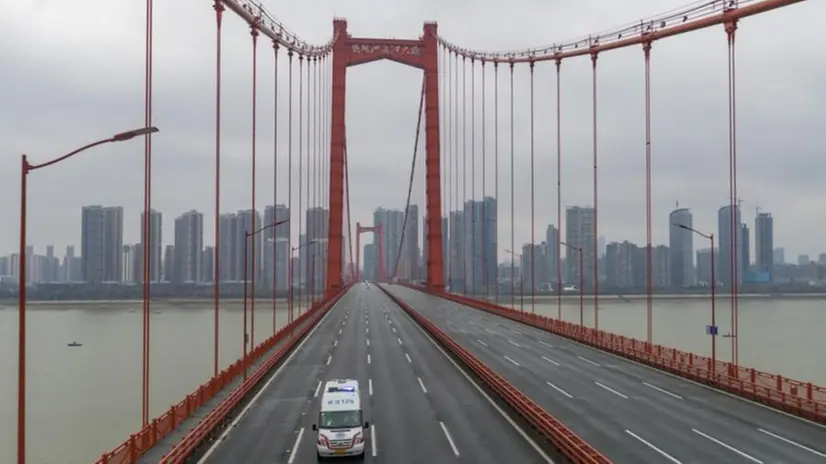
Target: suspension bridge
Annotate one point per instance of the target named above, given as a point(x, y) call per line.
point(452, 373)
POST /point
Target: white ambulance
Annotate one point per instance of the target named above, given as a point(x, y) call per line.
point(340, 423)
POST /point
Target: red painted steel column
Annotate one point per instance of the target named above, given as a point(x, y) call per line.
point(337, 137)
point(435, 272)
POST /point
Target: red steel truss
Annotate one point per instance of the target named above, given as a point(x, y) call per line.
point(422, 54)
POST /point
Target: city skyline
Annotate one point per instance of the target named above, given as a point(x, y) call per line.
point(777, 173)
point(186, 258)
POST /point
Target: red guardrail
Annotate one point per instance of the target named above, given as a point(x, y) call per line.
point(129, 451)
point(561, 437)
point(800, 398)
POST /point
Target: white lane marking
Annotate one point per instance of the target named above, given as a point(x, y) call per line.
point(489, 331)
point(317, 389)
point(648, 444)
point(368, 358)
point(513, 343)
point(335, 342)
point(255, 398)
point(559, 390)
point(512, 361)
point(373, 438)
point(546, 344)
point(449, 439)
point(339, 331)
point(550, 360)
point(793, 443)
point(471, 322)
point(662, 390)
point(367, 330)
point(370, 386)
point(329, 358)
point(589, 361)
point(611, 390)
point(368, 342)
point(295, 446)
point(421, 384)
point(463, 331)
point(547, 459)
point(400, 341)
point(367, 321)
point(408, 358)
point(727, 446)
point(394, 330)
point(481, 342)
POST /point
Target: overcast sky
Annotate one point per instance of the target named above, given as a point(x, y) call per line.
point(72, 72)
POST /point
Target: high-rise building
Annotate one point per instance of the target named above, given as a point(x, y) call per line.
point(314, 255)
point(228, 252)
point(101, 243)
point(168, 263)
point(764, 253)
point(580, 233)
point(391, 221)
point(724, 227)
point(370, 261)
point(249, 221)
point(189, 244)
point(273, 214)
point(779, 254)
point(552, 253)
point(456, 273)
point(155, 244)
point(744, 246)
point(681, 246)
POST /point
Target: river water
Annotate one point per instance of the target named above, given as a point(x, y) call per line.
point(85, 400)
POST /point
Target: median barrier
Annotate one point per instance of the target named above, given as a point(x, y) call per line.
point(573, 447)
point(803, 399)
point(139, 443)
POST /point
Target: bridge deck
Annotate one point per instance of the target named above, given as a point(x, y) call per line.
point(154, 454)
point(421, 408)
point(630, 412)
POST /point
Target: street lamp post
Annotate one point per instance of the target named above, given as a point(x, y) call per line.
point(247, 236)
point(521, 282)
point(25, 169)
point(292, 278)
point(581, 285)
point(713, 328)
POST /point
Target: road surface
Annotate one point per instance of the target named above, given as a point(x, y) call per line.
point(631, 413)
point(420, 407)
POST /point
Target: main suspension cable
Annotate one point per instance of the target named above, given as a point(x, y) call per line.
point(412, 175)
point(558, 190)
point(301, 244)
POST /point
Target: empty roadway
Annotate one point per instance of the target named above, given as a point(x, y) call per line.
point(420, 407)
point(631, 413)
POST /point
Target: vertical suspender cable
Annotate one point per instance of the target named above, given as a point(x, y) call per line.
point(558, 190)
point(216, 258)
point(457, 244)
point(291, 210)
point(513, 206)
point(533, 182)
point(485, 273)
point(448, 165)
point(464, 176)
point(496, 169)
point(734, 210)
point(147, 209)
point(253, 226)
point(301, 245)
point(649, 261)
point(473, 262)
point(311, 248)
point(596, 197)
point(273, 275)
